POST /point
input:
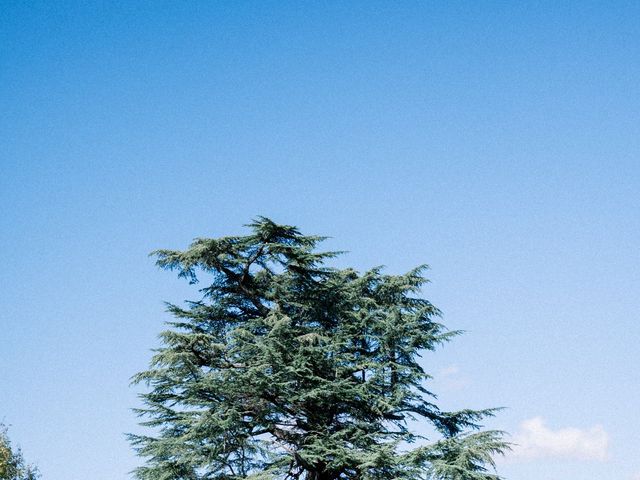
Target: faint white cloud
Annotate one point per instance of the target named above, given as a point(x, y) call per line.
point(636, 476)
point(449, 378)
point(449, 371)
point(535, 440)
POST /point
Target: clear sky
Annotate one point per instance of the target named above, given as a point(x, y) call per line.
point(497, 141)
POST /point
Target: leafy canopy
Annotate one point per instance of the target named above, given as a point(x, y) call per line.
point(289, 369)
point(12, 463)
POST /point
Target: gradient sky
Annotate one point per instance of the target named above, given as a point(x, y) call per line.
point(497, 142)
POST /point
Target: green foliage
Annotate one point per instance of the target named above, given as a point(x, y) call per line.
point(287, 368)
point(12, 464)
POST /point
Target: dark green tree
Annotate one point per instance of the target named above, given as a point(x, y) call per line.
point(12, 463)
point(289, 369)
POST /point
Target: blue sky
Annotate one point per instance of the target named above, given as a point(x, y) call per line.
point(498, 142)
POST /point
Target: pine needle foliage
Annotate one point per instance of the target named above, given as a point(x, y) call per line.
point(289, 369)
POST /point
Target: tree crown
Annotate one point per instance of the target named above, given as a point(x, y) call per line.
point(288, 368)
